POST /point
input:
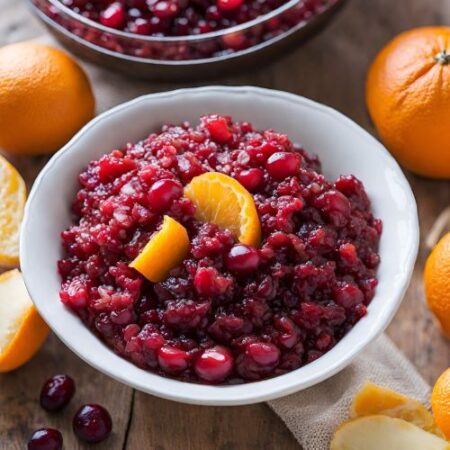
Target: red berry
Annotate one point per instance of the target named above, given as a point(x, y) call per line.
point(228, 5)
point(251, 179)
point(57, 392)
point(348, 295)
point(172, 359)
point(335, 206)
point(283, 164)
point(163, 193)
point(263, 353)
point(165, 9)
point(113, 16)
point(45, 439)
point(141, 26)
point(214, 364)
point(242, 259)
point(218, 129)
point(92, 423)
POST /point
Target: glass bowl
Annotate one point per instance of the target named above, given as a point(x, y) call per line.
point(187, 57)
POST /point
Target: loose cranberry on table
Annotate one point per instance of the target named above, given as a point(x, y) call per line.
point(92, 423)
point(57, 392)
point(230, 312)
point(45, 439)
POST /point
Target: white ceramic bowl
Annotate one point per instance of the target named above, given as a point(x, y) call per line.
point(344, 148)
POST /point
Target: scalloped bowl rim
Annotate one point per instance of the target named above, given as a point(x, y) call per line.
point(38, 264)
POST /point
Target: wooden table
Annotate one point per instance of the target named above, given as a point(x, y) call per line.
point(330, 69)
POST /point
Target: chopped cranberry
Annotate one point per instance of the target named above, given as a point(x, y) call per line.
point(114, 166)
point(208, 282)
point(219, 130)
point(113, 16)
point(282, 165)
point(251, 179)
point(242, 259)
point(230, 312)
point(214, 364)
point(45, 439)
point(92, 423)
point(348, 295)
point(335, 206)
point(57, 392)
point(163, 193)
point(172, 360)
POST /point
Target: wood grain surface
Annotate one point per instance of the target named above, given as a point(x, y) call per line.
point(331, 69)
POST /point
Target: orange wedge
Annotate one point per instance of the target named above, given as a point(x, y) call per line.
point(166, 249)
point(12, 201)
point(376, 400)
point(222, 200)
point(22, 331)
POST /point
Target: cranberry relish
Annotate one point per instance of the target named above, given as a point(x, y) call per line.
point(182, 17)
point(230, 313)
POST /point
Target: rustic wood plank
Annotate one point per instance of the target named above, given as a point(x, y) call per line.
point(331, 69)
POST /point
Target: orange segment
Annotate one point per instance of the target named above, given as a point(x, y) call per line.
point(167, 248)
point(22, 331)
point(440, 402)
point(222, 200)
point(12, 201)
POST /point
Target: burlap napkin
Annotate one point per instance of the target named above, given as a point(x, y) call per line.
point(311, 415)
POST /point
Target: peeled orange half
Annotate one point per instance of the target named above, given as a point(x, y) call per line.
point(22, 331)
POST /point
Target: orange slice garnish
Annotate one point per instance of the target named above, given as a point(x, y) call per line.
point(12, 201)
point(222, 200)
point(22, 331)
point(166, 249)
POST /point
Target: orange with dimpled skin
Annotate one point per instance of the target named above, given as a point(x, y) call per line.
point(408, 97)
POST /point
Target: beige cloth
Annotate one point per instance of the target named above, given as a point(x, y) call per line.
point(311, 415)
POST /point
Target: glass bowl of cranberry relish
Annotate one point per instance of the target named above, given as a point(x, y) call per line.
point(172, 38)
point(231, 323)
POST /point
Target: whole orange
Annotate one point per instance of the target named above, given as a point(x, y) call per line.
point(437, 282)
point(440, 402)
point(408, 97)
point(45, 97)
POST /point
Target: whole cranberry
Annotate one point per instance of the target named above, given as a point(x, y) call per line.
point(214, 364)
point(45, 439)
point(140, 26)
point(283, 164)
point(251, 179)
point(92, 423)
point(264, 354)
point(57, 392)
point(172, 359)
point(165, 9)
point(163, 193)
point(113, 16)
point(228, 5)
point(242, 259)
